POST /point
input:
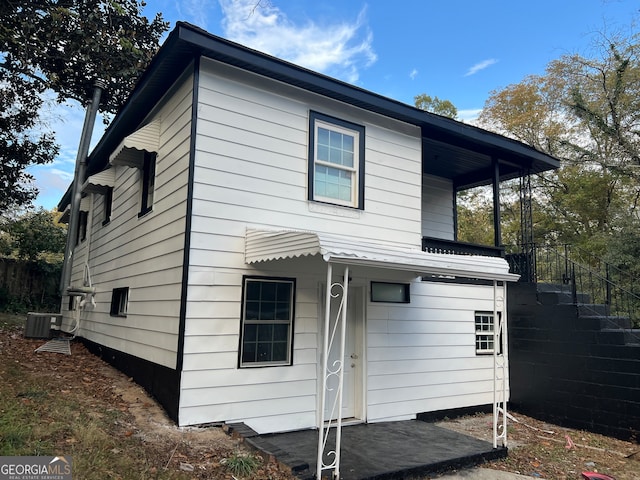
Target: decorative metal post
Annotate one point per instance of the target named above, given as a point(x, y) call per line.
point(500, 368)
point(335, 370)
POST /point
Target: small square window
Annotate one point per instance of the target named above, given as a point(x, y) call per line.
point(485, 325)
point(267, 321)
point(119, 302)
point(336, 161)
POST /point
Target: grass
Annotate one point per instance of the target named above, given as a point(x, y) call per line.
point(40, 418)
point(242, 464)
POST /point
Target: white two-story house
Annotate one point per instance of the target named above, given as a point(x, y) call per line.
point(240, 207)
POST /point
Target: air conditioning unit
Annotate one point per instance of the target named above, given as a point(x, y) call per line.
point(39, 325)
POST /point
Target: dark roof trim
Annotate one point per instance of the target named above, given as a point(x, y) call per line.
point(187, 42)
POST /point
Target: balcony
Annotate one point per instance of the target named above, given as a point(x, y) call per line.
point(438, 245)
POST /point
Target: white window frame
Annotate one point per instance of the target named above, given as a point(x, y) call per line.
point(289, 322)
point(356, 171)
point(119, 302)
point(484, 339)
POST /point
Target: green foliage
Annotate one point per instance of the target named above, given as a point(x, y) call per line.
point(475, 217)
point(38, 235)
point(62, 46)
point(586, 112)
point(241, 464)
point(33, 247)
point(435, 105)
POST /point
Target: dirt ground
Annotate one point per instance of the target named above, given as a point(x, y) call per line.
point(537, 449)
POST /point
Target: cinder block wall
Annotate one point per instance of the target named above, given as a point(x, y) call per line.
point(565, 370)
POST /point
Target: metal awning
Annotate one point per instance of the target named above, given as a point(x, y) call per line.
point(129, 151)
point(100, 182)
point(268, 245)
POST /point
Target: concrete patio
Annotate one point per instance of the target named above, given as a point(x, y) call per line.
point(390, 450)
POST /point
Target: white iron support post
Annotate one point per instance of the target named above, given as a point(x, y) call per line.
point(337, 369)
point(499, 366)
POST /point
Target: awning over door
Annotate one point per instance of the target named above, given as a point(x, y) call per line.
point(129, 152)
point(267, 245)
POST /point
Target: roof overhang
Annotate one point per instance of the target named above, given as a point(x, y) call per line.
point(452, 149)
point(271, 245)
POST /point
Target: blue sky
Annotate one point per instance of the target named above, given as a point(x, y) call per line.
point(459, 50)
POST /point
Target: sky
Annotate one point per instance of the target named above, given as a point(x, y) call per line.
point(457, 50)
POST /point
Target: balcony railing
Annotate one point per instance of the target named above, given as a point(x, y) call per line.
point(438, 245)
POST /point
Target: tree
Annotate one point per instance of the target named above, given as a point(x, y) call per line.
point(586, 111)
point(37, 236)
point(435, 105)
point(62, 46)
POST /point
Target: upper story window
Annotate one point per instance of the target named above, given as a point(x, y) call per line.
point(148, 182)
point(336, 161)
point(108, 202)
point(83, 220)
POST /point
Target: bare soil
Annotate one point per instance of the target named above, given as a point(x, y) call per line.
point(536, 448)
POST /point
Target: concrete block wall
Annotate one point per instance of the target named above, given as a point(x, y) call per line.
point(566, 369)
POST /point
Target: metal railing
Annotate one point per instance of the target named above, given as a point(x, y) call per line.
point(438, 245)
point(591, 282)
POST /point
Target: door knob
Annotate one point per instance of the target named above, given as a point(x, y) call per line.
point(354, 356)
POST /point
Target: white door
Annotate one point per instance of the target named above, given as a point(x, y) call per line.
point(352, 386)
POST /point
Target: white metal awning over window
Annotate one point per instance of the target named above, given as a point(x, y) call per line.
point(100, 182)
point(267, 245)
point(129, 152)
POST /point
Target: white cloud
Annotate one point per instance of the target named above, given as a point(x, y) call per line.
point(413, 74)
point(195, 11)
point(469, 116)
point(339, 49)
point(480, 66)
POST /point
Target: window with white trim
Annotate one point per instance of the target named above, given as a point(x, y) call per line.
point(336, 161)
point(267, 321)
point(119, 302)
point(485, 328)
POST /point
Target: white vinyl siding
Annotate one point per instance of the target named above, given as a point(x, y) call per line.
point(437, 208)
point(251, 170)
point(422, 356)
point(144, 254)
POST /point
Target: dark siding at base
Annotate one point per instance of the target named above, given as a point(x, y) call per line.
point(161, 382)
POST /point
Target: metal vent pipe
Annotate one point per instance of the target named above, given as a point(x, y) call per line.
point(78, 179)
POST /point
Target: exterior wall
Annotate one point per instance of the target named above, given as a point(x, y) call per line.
point(421, 356)
point(437, 208)
point(144, 254)
point(251, 170)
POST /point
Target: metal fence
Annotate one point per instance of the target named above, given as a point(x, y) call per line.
point(589, 280)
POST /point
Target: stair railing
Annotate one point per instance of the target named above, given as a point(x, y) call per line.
point(589, 279)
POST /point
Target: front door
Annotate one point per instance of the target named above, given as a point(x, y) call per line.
point(352, 361)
